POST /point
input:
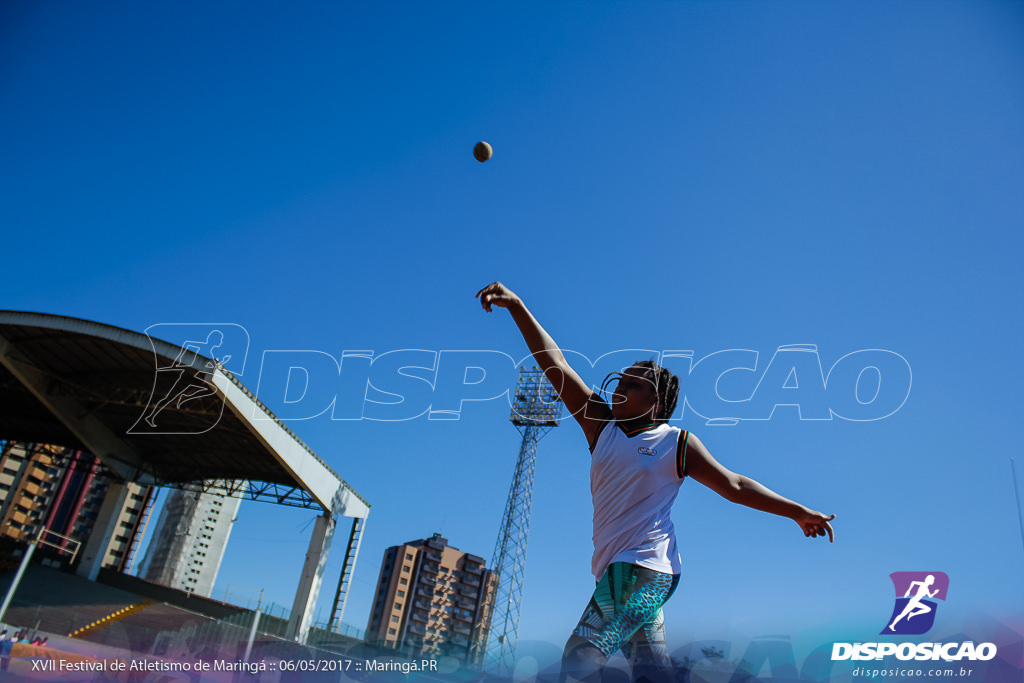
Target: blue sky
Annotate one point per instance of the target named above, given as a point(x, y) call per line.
point(666, 176)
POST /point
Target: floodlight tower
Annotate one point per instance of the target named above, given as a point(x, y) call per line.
point(535, 411)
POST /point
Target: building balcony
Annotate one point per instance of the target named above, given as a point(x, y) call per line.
point(432, 555)
point(425, 592)
point(428, 580)
point(419, 615)
point(473, 568)
point(430, 567)
point(417, 629)
point(472, 581)
point(469, 592)
point(19, 517)
point(462, 630)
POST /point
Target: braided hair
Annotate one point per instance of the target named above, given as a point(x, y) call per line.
point(665, 383)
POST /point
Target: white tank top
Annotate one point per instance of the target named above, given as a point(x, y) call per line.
point(634, 479)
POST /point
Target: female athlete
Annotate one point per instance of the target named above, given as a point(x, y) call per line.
point(638, 462)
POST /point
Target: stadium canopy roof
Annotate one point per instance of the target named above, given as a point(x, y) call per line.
point(89, 386)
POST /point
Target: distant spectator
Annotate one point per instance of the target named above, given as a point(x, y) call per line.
point(6, 645)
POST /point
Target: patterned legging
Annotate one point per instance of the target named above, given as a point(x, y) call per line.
point(625, 613)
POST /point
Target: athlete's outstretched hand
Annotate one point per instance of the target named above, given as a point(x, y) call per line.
point(496, 294)
point(816, 524)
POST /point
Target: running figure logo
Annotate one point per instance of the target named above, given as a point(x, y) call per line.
point(186, 381)
point(914, 612)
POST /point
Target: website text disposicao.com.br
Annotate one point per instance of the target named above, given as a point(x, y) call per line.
point(949, 652)
point(901, 674)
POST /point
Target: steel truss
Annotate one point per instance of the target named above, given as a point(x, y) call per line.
point(245, 489)
point(535, 411)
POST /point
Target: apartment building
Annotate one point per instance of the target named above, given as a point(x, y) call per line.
point(432, 600)
point(190, 539)
point(61, 489)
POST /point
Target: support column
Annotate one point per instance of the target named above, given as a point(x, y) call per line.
point(312, 576)
point(103, 531)
point(348, 568)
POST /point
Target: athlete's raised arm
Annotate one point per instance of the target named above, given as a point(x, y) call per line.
point(743, 490)
point(579, 398)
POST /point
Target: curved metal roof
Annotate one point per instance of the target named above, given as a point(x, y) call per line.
point(88, 386)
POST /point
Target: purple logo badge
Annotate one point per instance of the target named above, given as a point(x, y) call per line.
point(916, 592)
